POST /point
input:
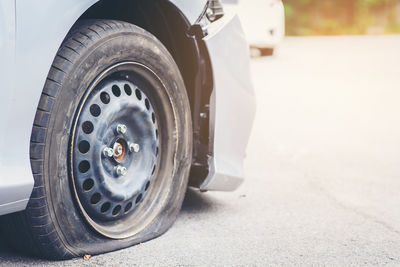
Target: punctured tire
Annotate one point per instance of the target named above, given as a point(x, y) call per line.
point(55, 225)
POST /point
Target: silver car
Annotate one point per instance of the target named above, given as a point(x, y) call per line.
point(108, 111)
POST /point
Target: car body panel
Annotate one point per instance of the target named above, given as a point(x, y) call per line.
point(16, 180)
point(36, 41)
point(232, 106)
point(30, 35)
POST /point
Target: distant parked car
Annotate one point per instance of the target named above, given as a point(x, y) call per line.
point(263, 22)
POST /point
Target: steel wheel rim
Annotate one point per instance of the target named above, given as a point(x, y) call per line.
point(101, 225)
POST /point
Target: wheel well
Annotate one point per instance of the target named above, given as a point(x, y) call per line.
point(170, 26)
point(163, 20)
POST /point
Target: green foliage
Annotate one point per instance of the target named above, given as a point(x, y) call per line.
point(332, 17)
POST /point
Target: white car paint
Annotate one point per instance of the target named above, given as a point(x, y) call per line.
point(232, 103)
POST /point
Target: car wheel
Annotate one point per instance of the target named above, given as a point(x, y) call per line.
point(110, 147)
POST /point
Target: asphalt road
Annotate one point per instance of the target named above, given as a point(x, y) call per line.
point(323, 185)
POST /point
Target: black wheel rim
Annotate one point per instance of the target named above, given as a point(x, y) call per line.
point(108, 197)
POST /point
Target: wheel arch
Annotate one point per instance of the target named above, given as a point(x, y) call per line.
point(164, 20)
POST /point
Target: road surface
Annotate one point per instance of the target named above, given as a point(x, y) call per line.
point(323, 165)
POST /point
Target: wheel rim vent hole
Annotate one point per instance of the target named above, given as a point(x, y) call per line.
point(84, 166)
point(84, 146)
point(127, 89)
point(105, 97)
point(88, 184)
point(138, 94)
point(147, 103)
point(105, 207)
point(116, 210)
point(95, 110)
point(95, 198)
point(87, 127)
point(128, 206)
point(153, 117)
point(139, 197)
point(147, 186)
point(116, 91)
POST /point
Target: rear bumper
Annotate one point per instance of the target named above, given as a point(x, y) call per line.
point(232, 105)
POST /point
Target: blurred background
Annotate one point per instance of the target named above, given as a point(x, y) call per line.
point(339, 17)
point(266, 22)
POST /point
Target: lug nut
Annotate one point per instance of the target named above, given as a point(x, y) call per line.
point(121, 170)
point(133, 147)
point(108, 152)
point(121, 128)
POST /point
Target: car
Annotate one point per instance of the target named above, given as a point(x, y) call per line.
point(109, 109)
point(263, 22)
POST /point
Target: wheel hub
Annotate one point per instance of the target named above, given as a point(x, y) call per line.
point(115, 150)
point(119, 150)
